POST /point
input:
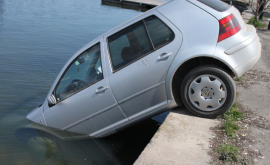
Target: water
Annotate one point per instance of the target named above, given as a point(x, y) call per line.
point(37, 37)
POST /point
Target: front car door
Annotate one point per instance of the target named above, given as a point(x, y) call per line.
point(85, 103)
point(139, 54)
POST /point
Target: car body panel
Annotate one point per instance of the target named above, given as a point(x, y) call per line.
point(86, 112)
point(146, 88)
point(38, 115)
point(194, 41)
point(246, 46)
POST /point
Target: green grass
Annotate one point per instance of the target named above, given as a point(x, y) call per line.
point(230, 117)
point(256, 23)
point(229, 153)
point(230, 128)
point(239, 79)
point(233, 114)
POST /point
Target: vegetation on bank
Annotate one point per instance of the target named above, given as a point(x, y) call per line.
point(239, 79)
point(228, 151)
point(256, 23)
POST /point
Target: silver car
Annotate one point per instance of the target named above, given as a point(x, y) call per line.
point(185, 52)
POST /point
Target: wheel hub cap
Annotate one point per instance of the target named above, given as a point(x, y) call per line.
point(207, 92)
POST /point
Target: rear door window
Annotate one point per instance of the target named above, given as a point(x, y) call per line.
point(138, 40)
point(129, 45)
point(216, 4)
point(160, 33)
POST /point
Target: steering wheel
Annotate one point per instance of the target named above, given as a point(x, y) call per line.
point(80, 83)
point(75, 84)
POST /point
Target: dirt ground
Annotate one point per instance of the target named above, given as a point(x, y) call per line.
point(253, 93)
point(253, 97)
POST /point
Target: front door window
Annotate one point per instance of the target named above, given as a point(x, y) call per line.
point(83, 71)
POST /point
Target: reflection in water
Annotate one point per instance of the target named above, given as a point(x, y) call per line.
point(32, 147)
point(37, 37)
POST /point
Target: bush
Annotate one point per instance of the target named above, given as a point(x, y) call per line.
point(256, 23)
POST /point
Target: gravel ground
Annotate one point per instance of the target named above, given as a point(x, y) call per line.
point(253, 93)
point(253, 97)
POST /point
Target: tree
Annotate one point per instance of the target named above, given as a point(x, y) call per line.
point(258, 7)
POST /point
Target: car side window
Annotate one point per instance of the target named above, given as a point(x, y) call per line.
point(129, 45)
point(160, 33)
point(85, 70)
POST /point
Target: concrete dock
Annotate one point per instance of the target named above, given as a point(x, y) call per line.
point(183, 138)
point(137, 3)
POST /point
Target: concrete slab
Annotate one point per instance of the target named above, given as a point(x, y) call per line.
point(183, 138)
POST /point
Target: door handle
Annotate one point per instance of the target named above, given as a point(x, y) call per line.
point(164, 56)
point(101, 89)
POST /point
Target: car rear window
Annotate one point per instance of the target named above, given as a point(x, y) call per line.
point(216, 4)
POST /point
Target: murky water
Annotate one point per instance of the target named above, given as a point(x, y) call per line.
point(37, 37)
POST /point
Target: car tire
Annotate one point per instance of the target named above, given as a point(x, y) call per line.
point(208, 91)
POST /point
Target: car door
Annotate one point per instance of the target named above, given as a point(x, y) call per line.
point(139, 54)
point(85, 103)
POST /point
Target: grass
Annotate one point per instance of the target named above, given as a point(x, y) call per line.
point(229, 153)
point(230, 128)
point(256, 23)
point(239, 79)
point(229, 124)
point(233, 114)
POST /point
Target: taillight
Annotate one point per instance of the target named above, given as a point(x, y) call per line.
point(228, 26)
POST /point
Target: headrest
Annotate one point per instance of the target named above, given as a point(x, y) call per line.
point(126, 53)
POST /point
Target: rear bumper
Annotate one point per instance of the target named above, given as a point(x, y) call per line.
point(241, 69)
point(241, 51)
point(250, 52)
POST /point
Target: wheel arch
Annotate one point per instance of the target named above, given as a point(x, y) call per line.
point(188, 65)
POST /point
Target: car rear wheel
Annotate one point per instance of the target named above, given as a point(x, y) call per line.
point(208, 91)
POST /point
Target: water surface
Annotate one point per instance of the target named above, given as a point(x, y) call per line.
point(37, 37)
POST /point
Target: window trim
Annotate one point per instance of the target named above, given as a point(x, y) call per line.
point(64, 73)
point(154, 49)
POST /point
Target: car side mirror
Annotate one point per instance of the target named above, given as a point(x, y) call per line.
point(51, 100)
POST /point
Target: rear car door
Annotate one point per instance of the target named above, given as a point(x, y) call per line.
point(85, 103)
point(139, 54)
